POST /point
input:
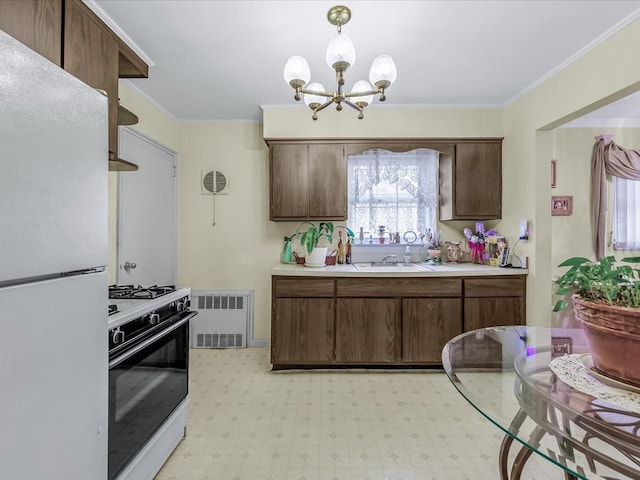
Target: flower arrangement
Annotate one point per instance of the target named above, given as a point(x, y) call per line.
point(477, 240)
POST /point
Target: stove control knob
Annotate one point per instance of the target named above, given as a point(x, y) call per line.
point(154, 318)
point(179, 306)
point(118, 336)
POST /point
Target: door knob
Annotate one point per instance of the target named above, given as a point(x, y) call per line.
point(129, 266)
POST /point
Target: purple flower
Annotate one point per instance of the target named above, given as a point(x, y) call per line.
point(467, 233)
point(480, 228)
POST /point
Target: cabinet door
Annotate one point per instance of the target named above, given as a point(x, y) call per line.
point(471, 182)
point(478, 177)
point(368, 330)
point(91, 55)
point(492, 312)
point(36, 23)
point(327, 182)
point(289, 185)
point(302, 331)
point(427, 325)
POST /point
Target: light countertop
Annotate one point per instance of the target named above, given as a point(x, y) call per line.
point(418, 270)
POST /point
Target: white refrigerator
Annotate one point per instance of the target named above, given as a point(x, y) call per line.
point(53, 284)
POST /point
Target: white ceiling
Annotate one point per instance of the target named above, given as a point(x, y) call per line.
point(221, 60)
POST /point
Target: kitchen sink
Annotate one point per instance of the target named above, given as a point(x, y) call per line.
point(391, 268)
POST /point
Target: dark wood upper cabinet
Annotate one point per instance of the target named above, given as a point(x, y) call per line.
point(36, 23)
point(307, 182)
point(308, 178)
point(471, 182)
point(91, 55)
point(70, 34)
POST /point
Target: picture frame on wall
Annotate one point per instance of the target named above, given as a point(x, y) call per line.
point(561, 205)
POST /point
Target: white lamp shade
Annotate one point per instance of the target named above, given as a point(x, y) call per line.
point(383, 70)
point(341, 49)
point(310, 98)
point(297, 68)
point(362, 86)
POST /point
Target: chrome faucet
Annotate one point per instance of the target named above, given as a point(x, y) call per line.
point(393, 258)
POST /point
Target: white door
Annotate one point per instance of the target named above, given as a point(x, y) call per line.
point(146, 213)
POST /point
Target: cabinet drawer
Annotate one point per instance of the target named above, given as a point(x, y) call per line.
point(495, 287)
point(399, 287)
point(303, 287)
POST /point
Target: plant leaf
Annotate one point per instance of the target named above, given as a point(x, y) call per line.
point(574, 261)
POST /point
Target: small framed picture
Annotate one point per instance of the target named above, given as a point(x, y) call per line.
point(561, 205)
point(553, 173)
point(561, 346)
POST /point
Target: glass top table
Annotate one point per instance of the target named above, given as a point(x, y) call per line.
point(538, 386)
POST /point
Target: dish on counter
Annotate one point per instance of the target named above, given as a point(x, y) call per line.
point(315, 265)
point(587, 362)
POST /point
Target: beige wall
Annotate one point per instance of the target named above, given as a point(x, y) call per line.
point(239, 251)
point(609, 71)
point(574, 149)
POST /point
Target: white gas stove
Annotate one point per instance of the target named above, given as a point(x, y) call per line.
point(148, 377)
point(134, 302)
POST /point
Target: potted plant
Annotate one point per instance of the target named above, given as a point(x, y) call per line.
point(309, 239)
point(606, 302)
point(433, 244)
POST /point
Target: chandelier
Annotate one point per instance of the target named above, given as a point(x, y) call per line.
point(341, 54)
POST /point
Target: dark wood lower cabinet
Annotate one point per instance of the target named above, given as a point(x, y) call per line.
point(492, 312)
point(427, 325)
point(302, 332)
point(367, 321)
point(368, 330)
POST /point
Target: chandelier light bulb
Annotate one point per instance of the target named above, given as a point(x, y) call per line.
point(362, 86)
point(383, 71)
point(341, 54)
point(311, 100)
point(297, 72)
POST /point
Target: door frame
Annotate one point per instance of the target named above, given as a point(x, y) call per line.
point(174, 155)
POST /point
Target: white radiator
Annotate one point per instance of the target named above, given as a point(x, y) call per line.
point(222, 320)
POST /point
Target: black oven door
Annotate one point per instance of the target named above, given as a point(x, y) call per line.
point(146, 384)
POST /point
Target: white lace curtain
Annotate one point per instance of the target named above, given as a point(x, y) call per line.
point(397, 190)
point(608, 159)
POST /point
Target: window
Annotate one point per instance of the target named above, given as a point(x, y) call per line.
point(626, 214)
point(397, 190)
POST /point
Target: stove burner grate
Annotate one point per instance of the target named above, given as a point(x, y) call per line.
point(139, 292)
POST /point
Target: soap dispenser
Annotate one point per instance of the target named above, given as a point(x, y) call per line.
point(407, 255)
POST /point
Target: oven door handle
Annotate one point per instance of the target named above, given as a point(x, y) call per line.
point(148, 341)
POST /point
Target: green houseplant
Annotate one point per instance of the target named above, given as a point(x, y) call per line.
point(604, 281)
point(605, 297)
point(309, 239)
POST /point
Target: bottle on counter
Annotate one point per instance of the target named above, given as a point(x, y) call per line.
point(347, 255)
point(286, 251)
point(340, 248)
point(407, 255)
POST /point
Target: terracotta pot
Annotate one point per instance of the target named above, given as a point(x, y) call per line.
point(613, 335)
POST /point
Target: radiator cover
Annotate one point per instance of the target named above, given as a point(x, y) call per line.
point(222, 320)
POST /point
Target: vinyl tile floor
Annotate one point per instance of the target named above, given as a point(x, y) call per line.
point(247, 422)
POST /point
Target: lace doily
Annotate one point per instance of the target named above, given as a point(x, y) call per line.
point(571, 369)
